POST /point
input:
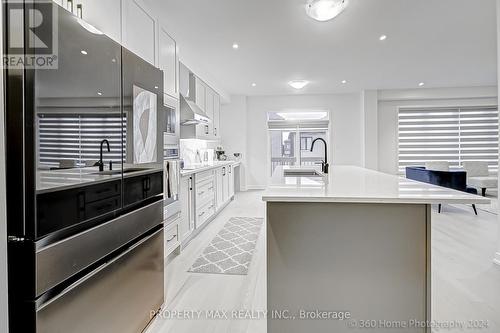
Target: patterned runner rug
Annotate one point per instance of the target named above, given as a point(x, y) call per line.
point(231, 251)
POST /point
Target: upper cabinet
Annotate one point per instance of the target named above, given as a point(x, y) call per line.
point(139, 30)
point(168, 63)
point(199, 94)
point(216, 119)
point(104, 15)
point(209, 101)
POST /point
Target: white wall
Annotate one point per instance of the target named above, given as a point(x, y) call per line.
point(346, 138)
point(390, 100)
point(233, 128)
point(370, 129)
point(3, 222)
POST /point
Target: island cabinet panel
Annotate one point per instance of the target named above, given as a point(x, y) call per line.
point(371, 260)
point(139, 188)
point(63, 208)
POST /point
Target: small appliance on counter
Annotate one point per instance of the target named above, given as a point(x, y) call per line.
point(220, 154)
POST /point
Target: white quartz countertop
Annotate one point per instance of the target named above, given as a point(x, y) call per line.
point(62, 179)
point(195, 168)
point(356, 184)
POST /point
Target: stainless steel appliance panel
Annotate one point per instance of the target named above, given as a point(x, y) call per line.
point(117, 297)
point(59, 261)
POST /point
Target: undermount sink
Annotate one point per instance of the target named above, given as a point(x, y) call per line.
point(301, 173)
point(118, 171)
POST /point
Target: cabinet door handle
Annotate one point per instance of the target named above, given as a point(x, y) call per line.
point(200, 193)
point(69, 5)
point(79, 10)
point(200, 215)
point(171, 239)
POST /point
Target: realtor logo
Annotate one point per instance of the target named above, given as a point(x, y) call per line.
point(32, 35)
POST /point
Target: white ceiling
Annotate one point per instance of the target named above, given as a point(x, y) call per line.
point(444, 43)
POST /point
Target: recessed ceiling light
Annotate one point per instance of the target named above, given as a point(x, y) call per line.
point(421, 84)
point(156, 87)
point(324, 10)
point(113, 60)
point(84, 52)
point(254, 84)
point(235, 46)
point(344, 81)
point(298, 84)
point(383, 37)
point(99, 93)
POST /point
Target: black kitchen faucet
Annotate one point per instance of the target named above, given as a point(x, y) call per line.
point(324, 164)
point(100, 163)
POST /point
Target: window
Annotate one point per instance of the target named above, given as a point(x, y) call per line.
point(291, 134)
point(74, 139)
point(453, 134)
point(305, 142)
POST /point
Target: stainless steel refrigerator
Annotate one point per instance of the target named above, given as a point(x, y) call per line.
point(85, 246)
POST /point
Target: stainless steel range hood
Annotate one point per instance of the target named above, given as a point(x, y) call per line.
point(192, 114)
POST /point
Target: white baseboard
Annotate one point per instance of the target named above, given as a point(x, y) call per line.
point(496, 260)
point(256, 187)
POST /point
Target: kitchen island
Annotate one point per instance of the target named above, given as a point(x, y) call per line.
point(350, 251)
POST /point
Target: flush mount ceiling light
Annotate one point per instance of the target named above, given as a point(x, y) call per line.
point(308, 115)
point(235, 46)
point(421, 84)
point(344, 81)
point(84, 52)
point(254, 84)
point(383, 37)
point(324, 10)
point(298, 84)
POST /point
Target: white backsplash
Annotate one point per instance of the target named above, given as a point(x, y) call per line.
point(195, 151)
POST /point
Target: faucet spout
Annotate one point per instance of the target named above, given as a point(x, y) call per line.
point(100, 163)
point(324, 164)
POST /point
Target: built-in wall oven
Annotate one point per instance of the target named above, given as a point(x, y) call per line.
point(171, 158)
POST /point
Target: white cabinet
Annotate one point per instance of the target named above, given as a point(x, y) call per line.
point(139, 30)
point(200, 93)
point(209, 109)
point(219, 187)
point(186, 223)
point(216, 119)
point(168, 63)
point(230, 180)
point(204, 197)
point(225, 185)
point(105, 15)
point(171, 234)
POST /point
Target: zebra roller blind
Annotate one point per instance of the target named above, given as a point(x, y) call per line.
point(453, 134)
point(65, 139)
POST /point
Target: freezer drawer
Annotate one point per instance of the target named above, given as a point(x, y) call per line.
point(57, 262)
point(117, 297)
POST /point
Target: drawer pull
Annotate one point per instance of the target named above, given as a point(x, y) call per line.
point(200, 193)
point(172, 238)
point(200, 215)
